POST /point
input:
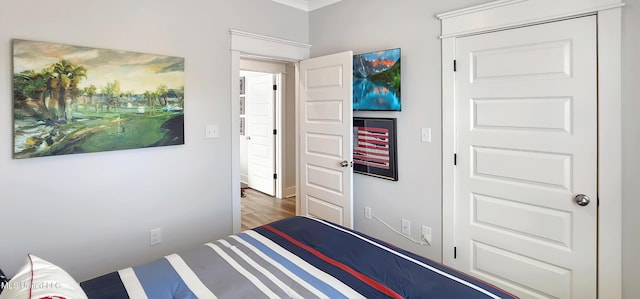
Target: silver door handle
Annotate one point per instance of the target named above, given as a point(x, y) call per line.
point(344, 163)
point(582, 200)
point(248, 137)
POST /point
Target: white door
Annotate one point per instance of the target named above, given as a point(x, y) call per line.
point(526, 147)
point(325, 140)
point(260, 122)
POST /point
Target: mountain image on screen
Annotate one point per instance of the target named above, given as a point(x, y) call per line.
point(376, 81)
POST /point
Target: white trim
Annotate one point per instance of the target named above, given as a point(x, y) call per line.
point(299, 4)
point(289, 192)
point(534, 21)
point(235, 142)
point(254, 45)
point(610, 153)
point(476, 8)
point(279, 141)
point(266, 46)
point(297, 121)
point(506, 14)
point(307, 5)
point(316, 4)
point(609, 115)
point(448, 149)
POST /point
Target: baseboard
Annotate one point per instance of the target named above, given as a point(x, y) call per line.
point(289, 192)
point(244, 178)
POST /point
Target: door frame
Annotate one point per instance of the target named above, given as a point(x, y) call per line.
point(262, 47)
point(507, 14)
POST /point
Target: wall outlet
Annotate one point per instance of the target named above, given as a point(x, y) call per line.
point(211, 131)
point(155, 236)
point(367, 213)
point(406, 227)
point(426, 234)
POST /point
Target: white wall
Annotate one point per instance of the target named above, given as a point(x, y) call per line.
point(91, 213)
point(631, 149)
point(369, 25)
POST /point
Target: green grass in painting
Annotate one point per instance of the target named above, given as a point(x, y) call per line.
point(124, 129)
point(126, 132)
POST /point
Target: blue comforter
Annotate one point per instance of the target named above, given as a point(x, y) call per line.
point(297, 257)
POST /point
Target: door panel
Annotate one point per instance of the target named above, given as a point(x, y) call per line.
point(526, 111)
point(325, 138)
point(528, 114)
point(260, 103)
point(508, 62)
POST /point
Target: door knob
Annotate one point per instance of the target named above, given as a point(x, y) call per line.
point(344, 163)
point(248, 137)
point(582, 200)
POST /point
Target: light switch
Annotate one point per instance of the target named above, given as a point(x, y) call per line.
point(211, 131)
point(426, 134)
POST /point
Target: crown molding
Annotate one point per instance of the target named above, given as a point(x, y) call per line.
point(307, 5)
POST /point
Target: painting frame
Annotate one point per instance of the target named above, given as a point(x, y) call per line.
point(375, 147)
point(71, 99)
point(377, 78)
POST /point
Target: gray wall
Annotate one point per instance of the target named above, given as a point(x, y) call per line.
point(289, 124)
point(372, 25)
point(369, 25)
point(91, 213)
point(631, 149)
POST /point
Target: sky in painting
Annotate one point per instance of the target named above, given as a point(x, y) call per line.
point(392, 54)
point(136, 72)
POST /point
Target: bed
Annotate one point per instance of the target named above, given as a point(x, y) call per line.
point(298, 257)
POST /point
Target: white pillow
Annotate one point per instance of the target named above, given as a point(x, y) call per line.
point(39, 279)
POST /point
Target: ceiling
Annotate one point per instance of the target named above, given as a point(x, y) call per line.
point(307, 5)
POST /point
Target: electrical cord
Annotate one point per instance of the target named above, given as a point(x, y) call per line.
point(424, 241)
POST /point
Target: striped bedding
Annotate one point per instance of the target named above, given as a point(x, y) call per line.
point(297, 257)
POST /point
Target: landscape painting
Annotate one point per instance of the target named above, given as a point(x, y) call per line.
point(376, 81)
point(72, 99)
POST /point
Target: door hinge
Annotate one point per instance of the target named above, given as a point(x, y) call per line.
point(455, 159)
point(275, 176)
point(275, 87)
point(454, 65)
point(455, 252)
point(275, 131)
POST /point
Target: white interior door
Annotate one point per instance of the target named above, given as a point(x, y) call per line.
point(325, 140)
point(260, 122)
point(526, 123)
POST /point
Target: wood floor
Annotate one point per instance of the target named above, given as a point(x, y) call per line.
point(258, 208)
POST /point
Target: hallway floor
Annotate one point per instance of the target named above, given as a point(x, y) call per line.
point(258, 208)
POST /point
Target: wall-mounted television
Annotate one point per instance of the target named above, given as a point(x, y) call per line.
point(376, 81)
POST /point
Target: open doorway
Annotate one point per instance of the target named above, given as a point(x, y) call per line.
point(258, 162)
point(266, 141)
point(264, 48)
